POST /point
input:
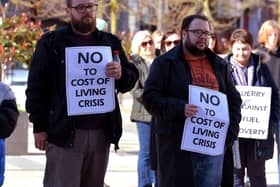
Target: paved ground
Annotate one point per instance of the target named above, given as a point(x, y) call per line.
point(27, 170)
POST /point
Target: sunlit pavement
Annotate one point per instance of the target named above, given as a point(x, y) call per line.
point(27, 170)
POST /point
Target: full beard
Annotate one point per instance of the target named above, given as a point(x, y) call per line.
point(85, 25)
point(195, 51)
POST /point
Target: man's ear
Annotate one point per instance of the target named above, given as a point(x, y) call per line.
point(183, 34)
point(67, 10)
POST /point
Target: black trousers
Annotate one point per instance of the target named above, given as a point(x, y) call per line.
point(227, 179)
point(174, 166)
point(255, 167)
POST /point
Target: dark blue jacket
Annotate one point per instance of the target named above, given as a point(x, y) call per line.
point(8, 119)
point(46, 90)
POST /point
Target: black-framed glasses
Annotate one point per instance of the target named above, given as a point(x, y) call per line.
point(82, 8)
point(198, 33)
point(168, 43)
point(144, 44)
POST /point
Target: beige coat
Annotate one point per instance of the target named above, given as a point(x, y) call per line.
point(139, 113)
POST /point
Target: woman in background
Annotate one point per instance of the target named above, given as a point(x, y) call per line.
point(269, 42)
point(170, 39)
point(143, 54)
point(248, 70)
point(157, 37)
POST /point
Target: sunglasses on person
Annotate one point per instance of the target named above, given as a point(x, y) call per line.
point(82, 8)
point(168, 43)
point(144, 44)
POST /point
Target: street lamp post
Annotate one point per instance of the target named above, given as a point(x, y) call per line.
point(114, 16)
point(159, 16)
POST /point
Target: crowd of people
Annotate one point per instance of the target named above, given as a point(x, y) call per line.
point(203, 119)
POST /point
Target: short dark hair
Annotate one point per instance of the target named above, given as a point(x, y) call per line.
point(241, 35)
point(68, 3)
point(188, 20)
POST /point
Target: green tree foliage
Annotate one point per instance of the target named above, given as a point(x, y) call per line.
point(18, 37)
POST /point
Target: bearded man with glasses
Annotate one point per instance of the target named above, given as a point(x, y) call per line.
point(67, 104)
point(166, 97)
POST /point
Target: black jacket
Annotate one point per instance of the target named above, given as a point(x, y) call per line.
point(46, 91)
point(272, 60)
point(166, 91)
point(8, 111)
point(165, 95)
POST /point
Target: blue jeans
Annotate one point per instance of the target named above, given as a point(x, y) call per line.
point(278, 147)
point(207, 170)
point(146, 176)
point(2, 161)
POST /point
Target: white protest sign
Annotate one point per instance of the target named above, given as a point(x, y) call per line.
point(255, 110)
point(206, 131)
point(88, 89)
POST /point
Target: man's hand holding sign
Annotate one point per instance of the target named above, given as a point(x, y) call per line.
point(207, 121)
point(114, 70)
point(190, 110)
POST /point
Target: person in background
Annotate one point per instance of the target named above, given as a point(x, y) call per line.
point(157, 37)
point(77, 145)
point(8, 119)
point(248, 70)
point(166, 94)
point(102, 25)
point(219, 45)
point(170, 39)
point(143, 53)
point(212, 43)
point(269, 42)
point(225, 47)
